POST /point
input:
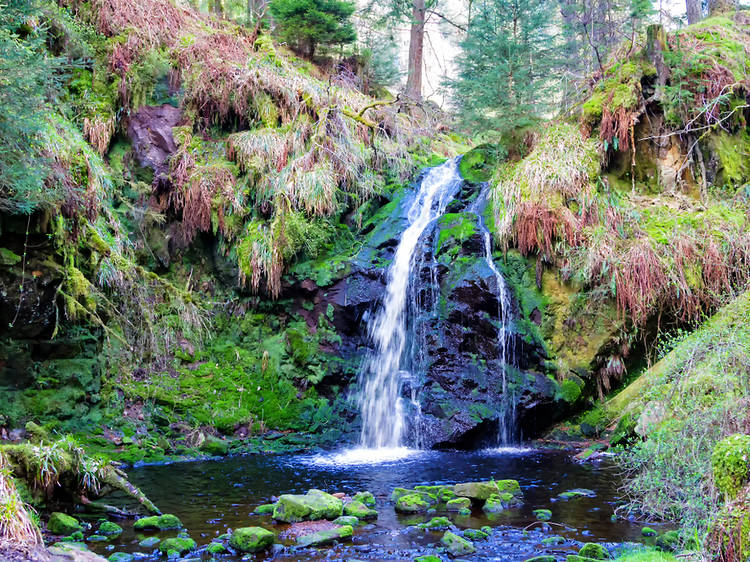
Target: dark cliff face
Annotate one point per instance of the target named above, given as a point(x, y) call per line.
point(453, 369)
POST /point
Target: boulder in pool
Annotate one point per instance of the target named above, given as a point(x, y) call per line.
point(216, 548)
point(543, 514)
point(346, 520)
point(121, 557)
point(457, 546)
point(149, 542)
point(158, 523)
point(428, 558)
point(543, 558)
point(251, 539)
point(365, 497)
point(265, 509)
point(412, 503)
point(500, 502)
point(180, 545)
point(360, 510)
point(316, 504)
point(476, 535)
point(436, 524)
point(458, 504)
point(329, 536)
point(483, 490)
point(593, 550)
point(577, 493)
point(109, 529)
point(63, 524)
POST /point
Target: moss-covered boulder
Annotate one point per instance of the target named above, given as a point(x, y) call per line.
point(669, 541)
point(215, 447)
point(436, 524)
point(63, 524)
point(428, 558)
point(457, 546)
point(412, 503)
point(366, 498)
point(479, 163)
point(476, 535)
point(593, 550)
point(543, 558)
point(458, 504)
point(216, 548)
point(346, 520)
point(121, 557)
point(576, 493)
point(497, 503)
point(328, 536)
point(265, 509)
point(483, 490)
point(158, 523)
point(730, 462)
point(251, 539)
point(360, 510)
point(180, 545)
point(109, 529)
point(316, 504)
point(149, 542)
point(543, 514)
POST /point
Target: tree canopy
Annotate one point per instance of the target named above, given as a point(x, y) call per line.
point(305, 24)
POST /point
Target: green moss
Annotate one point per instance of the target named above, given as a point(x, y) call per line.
point(594, 550)
point(733, 152)
point(251, 539)
point(62, 524)
point(326, 537)
point(543, 514)
point(436, 524)
point(730, 462)
point(455, 228)
point(411, 503)
point(477, 165)
point(457, 546)
point(158, 522)
point(8, 257)
point(181, 545)
point(108, 528)
point(360, 510)
point(569, 390)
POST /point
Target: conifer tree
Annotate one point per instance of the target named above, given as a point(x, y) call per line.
point(505, 66)
point(309, 23)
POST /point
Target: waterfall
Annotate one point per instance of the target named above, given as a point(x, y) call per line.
point(382, 375)
point(507, 414)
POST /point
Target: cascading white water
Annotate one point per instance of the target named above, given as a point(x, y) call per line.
point(382, 376)
point(507, 414)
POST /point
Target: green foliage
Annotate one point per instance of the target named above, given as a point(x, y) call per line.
point(27, 82)
point(308, 23)
point(496, 87)
point(730, 462)
point(569, 390)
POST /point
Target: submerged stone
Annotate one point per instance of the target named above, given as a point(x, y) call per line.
point(360, 510)
point(577, 493)
point(436, 524)
point(594, 550)
point(326, 537)
point(316, 504)
point(458, 504)
point(251, 539)
point(543, 514)
point(97, 538)
point(555, 539)
point(149, 542)
point(412, 503)
point(63, 524)
point(121, 557)
point(181, 545)
point(346, 520)
point(457, 546)
point(158, 522)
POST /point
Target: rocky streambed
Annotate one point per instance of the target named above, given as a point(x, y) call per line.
point(492, 505)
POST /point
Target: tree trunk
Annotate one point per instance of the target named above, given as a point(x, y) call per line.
point(694, 11)
point(217, 8)
point(656, 44)
point(416, 52)
point(716, 7)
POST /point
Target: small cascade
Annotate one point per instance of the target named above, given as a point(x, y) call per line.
point(507, 414)
point(383, 373)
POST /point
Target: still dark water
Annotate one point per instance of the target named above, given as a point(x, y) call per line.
point(213, 496)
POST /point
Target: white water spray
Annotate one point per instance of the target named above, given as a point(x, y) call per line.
point(382, 376)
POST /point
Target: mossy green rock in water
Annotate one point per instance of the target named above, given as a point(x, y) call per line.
point(265, 509)
point(577, 493)
point(428, 558)
point(216, 548)
point(158, 523)
point(326, 537)
point(541, 559)
point(108, 528)
point(483, 490)
point(365, 497)
point(436, 524)
point(555, 539)
point(98, 538)
point(360, 510)
point(411, 503)
point(457, 546)
point(62, 524)
point(251, 539)
point(543, 514)
point(316, 504)
point(149, 542)
point(730, 462)
point(648, 532)
point(669, 541)
point(347, 520)
point(182, 545)
point(593, 550)
point(476, 535)
point(458, 504)
point(74, 537)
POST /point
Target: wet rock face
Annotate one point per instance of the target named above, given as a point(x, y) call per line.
point(150, 130)
point(454, 361)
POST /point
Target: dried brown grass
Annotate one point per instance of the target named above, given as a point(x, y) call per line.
point(16, 524)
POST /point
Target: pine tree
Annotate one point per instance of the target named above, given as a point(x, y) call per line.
point(505, 66)
point(309, 23)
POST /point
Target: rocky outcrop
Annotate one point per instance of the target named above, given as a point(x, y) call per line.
point(150, 130)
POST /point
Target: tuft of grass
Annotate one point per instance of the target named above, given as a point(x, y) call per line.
point(16, 522)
